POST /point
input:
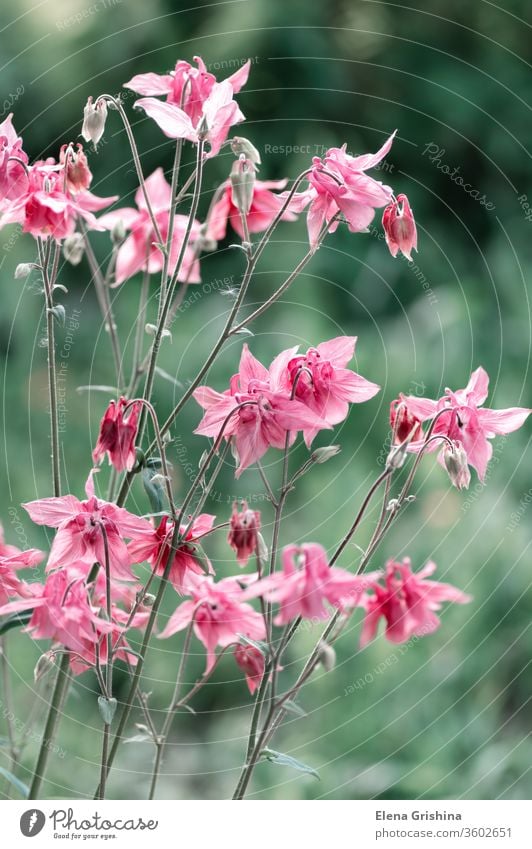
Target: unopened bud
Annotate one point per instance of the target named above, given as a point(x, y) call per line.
point(397, 456)
point(94, 117)
point(118, 232)
point(73, 248)
point(321, 455)
point(455, 459)
point(45, 663)
point(242, 183)
point(145, 599)
point(22, 270)
point(240, 145)
point(326, 656)
point(203, 129)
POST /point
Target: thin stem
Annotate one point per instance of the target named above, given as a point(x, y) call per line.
point(50, 727)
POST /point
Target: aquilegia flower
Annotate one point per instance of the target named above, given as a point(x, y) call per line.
point(80, 539)
point(13, 178)
point(268, 413)
point(407, 602)
point(264, 207)
point(400, 228)
point(244, 531)
point(188, 560)
point(118, 432)
point(139, 252)
point(219, 614)
point(306, 582)
point(466, 421)
point(251, 661)
point(322, 382)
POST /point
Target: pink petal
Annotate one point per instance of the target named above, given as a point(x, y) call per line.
point(53, 511)
point(171, 119)
point(240, 77)
point(338, 351)
point(502, 421)
point(478, 386)
point(150, 84)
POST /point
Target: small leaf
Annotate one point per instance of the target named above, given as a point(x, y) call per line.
point(107, 708)
point(22, 788)
point(59, 313)
point(153, 490)
point(244, 331)
point(16, 620)
point(293, 707)
point(287, 760)
point(190, 709)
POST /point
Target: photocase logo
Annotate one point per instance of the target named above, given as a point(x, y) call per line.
point(32, 822)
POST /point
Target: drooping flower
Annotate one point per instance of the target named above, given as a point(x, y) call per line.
point(399, 227)
point(218, 114)
point(94, 118)
point(320, 380)
point(46, 209)
point(80, 538)
point(306, 582)
point(220, 615)
point(407, 602)
point(244, 531)
point(338, 183)
point(186, 86)
point(77, 174)
point(265, 205)
point(11, 585)
point(403, 422)
point(154, 548)
point(455, 460)
point(466, 421)
point(251, 661)
point(13, 177)
point(139, 251)
point(268, 413)
point(118, 431)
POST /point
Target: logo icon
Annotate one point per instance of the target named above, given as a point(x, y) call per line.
point(32, 822)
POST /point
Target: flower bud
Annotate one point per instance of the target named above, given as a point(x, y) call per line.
point(244, 534)
point(118, 232)
point(243, 183)
point(45, 663)
point(326, 656)
point(78, 176)
point(22, 270)
point(397, 456)
point(321, 455)
point(240, 145)
point(455, 459)
point(94, 117)
point(400, 227)
point(73, 248)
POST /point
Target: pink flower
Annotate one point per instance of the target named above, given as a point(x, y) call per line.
point(62, 613)
point(403, 422)
point(186, 86)
point(77, 174)
point(264, 208)
point(466, 421)
point(79, 538)
point(139, 252)
point(400, 227)
point(155, 548)
point(117, 435)
point(338, 184)
point(219, 614)
point(251, 662)
point(243, 534)
point(268, 415)
point(323, 383)
point(45, 209)
point(218, 114)
point(10, 584)
point(306, 582)
point(407, 602)
point(13, 179)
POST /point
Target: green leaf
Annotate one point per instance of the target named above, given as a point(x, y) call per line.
point(107, 708)
point(287, 760)
point(139, 738)
point(22, 788)
point(153, 489)
point(59, 314)
point(293, 707)
point(16, 620)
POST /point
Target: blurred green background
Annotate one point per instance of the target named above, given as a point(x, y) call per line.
point(448, 716)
